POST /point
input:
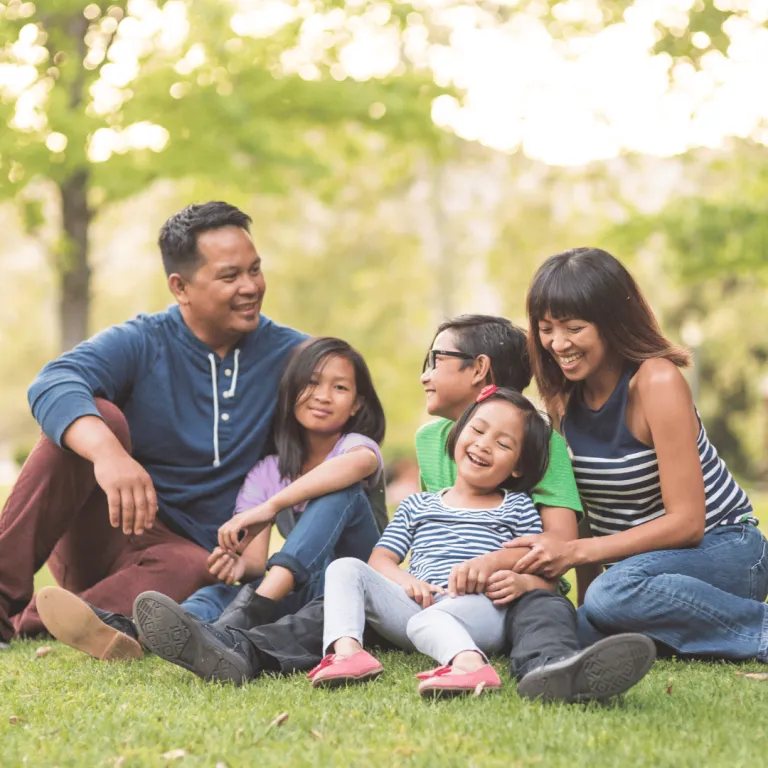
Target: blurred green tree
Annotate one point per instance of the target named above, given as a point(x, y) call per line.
point(102, 98)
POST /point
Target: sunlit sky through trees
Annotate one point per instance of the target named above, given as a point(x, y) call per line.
point(563, 102)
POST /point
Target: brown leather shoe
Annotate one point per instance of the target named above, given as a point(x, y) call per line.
point(76, 624)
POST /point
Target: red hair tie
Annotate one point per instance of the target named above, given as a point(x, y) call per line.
point(486, 392)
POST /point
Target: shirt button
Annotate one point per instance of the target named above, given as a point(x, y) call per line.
point(225, 417)
point(228, 372)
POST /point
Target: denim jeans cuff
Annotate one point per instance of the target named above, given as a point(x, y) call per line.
point(762, 650)
point(300, 573)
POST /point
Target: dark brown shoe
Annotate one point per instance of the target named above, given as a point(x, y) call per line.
point(104, 635)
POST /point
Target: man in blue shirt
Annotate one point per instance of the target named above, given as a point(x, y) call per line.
point(149, 428)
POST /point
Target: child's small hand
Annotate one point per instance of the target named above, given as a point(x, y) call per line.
point(422, 592)
point(226, 566)
point(469, 577)
point(505, 586)
point(229, 533)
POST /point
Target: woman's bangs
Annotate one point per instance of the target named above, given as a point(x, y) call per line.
point(559, 295)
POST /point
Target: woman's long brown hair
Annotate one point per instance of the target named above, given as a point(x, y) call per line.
point(589, 284)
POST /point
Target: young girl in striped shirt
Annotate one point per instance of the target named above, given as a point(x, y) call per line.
point(500, 446)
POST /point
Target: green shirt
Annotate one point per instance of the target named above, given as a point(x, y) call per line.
point(556, 489)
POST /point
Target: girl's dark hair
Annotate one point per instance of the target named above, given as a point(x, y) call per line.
point(498, 338)
point(289, 437)
point(534, 452)
point(590, 284)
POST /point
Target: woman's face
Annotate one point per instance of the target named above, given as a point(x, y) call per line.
point(330, 400)
point(575, 345)
point(488, 448)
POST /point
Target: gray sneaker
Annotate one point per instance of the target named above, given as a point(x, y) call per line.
point(607, 668)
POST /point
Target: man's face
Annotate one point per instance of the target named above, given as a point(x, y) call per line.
point(224, 295)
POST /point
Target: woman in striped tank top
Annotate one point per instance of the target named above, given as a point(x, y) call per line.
point(688, 566)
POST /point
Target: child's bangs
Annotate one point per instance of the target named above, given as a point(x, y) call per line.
point(561, 295)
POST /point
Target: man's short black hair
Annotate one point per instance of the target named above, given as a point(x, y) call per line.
point(503, 342)
point(178, 236)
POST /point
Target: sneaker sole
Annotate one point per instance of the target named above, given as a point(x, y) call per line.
point(73, 623)
point(168, 632)
point(607, 668)
point(339, 681)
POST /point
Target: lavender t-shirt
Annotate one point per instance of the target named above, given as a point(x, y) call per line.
point(264, 480)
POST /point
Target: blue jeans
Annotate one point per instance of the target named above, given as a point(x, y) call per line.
point(339, 524)
point(703, 601)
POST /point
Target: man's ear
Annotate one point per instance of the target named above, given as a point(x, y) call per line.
point(481, 373)
point(178, 286)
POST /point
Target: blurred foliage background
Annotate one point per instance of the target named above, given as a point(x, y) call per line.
point(375, 214)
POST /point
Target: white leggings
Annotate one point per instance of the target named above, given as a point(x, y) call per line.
point(355, 593)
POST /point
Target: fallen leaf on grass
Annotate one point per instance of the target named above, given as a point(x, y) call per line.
point(761, 677)
point(279, 720)
point(119, 762)
point(174, 754)
point(316, 735)
point(669, 690)
point(44, 651)
point(15, 720)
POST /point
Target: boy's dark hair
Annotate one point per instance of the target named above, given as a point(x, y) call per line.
point(498, 338)
point(178, 236)
point(534, 452)
point(590, 284)
point(288, 434)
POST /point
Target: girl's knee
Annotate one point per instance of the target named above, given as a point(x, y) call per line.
point(345, 568)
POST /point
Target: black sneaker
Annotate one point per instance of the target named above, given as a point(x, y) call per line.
point(102, 634)
point(609, 667)
point(174, 635)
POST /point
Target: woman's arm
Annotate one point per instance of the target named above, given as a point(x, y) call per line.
point(665, 403)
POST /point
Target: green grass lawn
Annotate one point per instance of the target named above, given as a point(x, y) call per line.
point(66, 709)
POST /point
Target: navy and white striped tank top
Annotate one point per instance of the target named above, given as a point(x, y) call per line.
point(618, 476)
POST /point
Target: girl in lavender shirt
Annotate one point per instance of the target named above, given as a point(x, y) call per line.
point(328, 427)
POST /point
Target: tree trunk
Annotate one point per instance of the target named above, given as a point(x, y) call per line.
point(73, 270)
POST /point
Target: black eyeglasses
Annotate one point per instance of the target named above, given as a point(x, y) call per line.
point(430, 361)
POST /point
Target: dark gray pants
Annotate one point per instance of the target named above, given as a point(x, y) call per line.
point(540, 627)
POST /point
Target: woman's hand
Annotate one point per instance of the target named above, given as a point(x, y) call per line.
point(226, 566)
point(506, 586)
point(549, 557)
point(422, 592)
point(254, 519)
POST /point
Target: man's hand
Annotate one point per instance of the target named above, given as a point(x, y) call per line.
point(470, 577)
point(422, 592)
point(253, 519)
point(130, 493)
point(226, 566)
point(505, 586)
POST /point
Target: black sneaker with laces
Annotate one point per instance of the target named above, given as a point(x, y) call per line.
point(609, 667)
point(212, 653)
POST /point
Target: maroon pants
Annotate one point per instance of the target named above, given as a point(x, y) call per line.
point(56, 513)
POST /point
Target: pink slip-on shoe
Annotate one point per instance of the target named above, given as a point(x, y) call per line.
point(445, 681)
point(333, 671)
